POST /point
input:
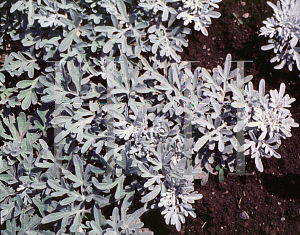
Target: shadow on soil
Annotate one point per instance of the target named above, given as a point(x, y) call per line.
point(286, 186)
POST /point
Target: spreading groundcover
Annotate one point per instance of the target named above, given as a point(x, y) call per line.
point(102, 122)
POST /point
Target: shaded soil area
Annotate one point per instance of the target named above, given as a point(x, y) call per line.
point(272, 198)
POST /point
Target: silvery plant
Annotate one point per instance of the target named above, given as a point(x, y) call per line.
point(145, 135)
point(200, 12)
point(283, 29)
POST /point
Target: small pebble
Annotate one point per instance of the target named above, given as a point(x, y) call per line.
point(282, 219)
point(244, 216)
point(204, 47)
point(246, 15)
point(243, 3)
point(279, 203)
point(208, 49)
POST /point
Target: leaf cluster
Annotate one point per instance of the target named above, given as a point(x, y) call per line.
point(146, 132)
point(283, 29)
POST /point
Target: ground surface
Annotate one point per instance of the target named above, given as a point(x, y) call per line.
point(272, 198)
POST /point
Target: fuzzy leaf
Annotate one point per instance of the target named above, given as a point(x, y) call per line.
point(150, 196)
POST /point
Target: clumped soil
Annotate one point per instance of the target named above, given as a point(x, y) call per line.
point(272, 198)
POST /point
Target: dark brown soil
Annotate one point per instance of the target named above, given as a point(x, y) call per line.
point(266, 197)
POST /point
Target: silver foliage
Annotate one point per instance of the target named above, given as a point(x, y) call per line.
point(151, 156)
point(283, 29)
